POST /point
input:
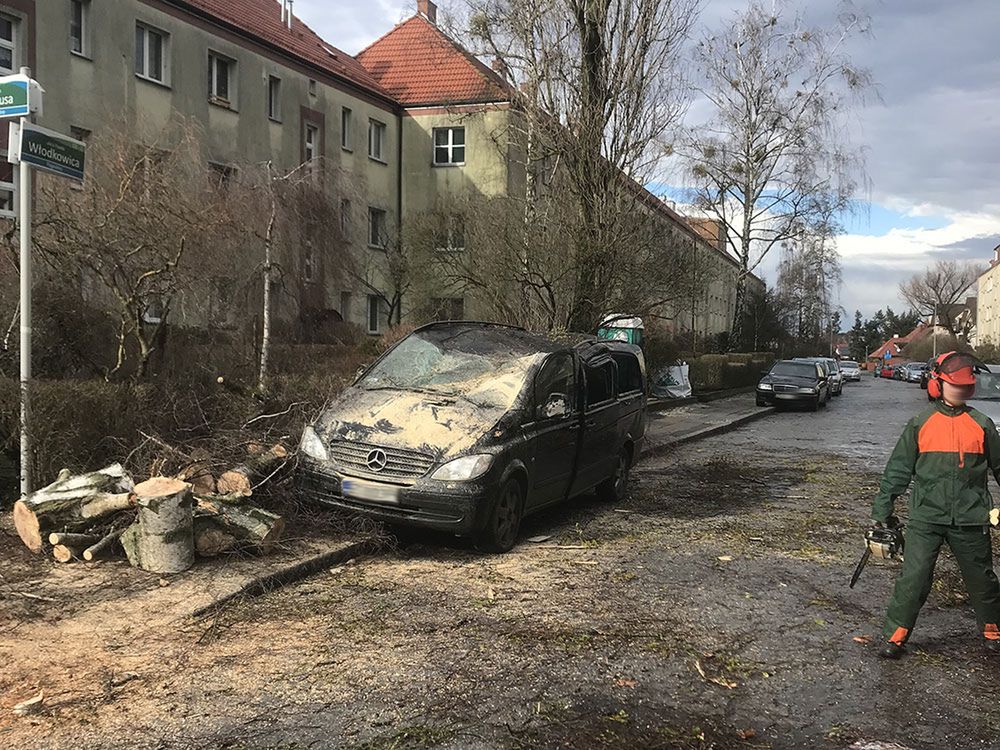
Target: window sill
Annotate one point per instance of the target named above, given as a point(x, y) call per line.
point(147, 79)
point(378, 161)
point(436, 165)
point(275, 120)
point(222, 103)
point(348, 149)
point(381, 248)
point(82, 55)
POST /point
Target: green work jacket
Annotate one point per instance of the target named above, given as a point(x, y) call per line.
point(948, 453)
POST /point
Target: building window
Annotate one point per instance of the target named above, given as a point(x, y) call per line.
point(8, 188)
point(376, 227)
point(151, 54)
point(376, 140)
point(345, 306)
point(312, 87)
point(221, 80)
point(274, 98)
point(452, 237)
point(449, 146)
point(311, 149)
point(8, 45)
point(346, 126)
point(374, 316)
point(345, 218)
point(79, 27)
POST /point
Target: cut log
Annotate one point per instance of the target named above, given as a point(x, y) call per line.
point(239, 479)
point(199, 476)
point(162, 539)
point(63, 554)
point(248, 524)
point(73, 540)
point(211, 539)
point(97, 549)
point(72, 503)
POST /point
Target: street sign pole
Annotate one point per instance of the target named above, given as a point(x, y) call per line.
point(25, 220)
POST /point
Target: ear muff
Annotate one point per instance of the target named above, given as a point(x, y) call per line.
point(934, 386)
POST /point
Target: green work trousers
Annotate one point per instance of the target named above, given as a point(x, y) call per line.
point(972, 547)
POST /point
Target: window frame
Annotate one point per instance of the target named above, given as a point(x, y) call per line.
point(617, 357)
point(453, 223)
point(85, 45)
point(346, 128)
point(345, 219)
point(379, 129)
point(230, 100)
point(274, 88)
point(374, 305)
point(572, 400)
point(9, 187)
point(147, 30)
point(613, 381)
point(450, 146)
point(12, 44)
point(311, 148)
point(373, 212)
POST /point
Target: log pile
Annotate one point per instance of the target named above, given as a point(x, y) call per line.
point(161, 524)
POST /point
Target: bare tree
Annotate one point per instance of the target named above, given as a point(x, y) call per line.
point(772, 159)
point(939, 290)
point(808, 277)
point(595, 86)
point(143, 228)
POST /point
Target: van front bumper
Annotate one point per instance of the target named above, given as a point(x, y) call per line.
point(458, 508)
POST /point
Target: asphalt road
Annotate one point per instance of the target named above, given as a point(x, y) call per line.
point(709, 610)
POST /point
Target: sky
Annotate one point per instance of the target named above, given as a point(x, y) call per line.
point(930, 132)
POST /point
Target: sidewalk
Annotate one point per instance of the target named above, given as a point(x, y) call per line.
point(671, 428)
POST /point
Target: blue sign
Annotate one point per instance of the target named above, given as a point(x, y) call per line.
point(888, 354)
point(14, 97)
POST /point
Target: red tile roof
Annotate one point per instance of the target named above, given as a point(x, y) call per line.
point(418, 64)
point(261, 19)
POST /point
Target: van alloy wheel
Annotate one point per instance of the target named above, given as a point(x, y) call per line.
point(613, 488)
point(504, 524)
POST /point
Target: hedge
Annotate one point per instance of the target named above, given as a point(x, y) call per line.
point(713, 372)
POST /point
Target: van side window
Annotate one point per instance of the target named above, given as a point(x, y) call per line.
point(600, 383)
point(629, 373)
point(556, 378)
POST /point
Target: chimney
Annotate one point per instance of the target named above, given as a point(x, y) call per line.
point(290, 16)
point(428, 10)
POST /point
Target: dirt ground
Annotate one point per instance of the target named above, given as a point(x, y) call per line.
point(709, 610)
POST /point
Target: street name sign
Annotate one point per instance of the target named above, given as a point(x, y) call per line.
point(20, 96)
point(47, 150)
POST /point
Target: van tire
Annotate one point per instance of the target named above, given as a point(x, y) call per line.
point(504, 522)
point(613, 489)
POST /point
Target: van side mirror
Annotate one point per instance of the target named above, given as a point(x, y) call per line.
point(556, 406)
point(359, 373)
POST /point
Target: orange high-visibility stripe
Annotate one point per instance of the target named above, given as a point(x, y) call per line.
point(991, 633)
point(944, 434)
point(899, 637)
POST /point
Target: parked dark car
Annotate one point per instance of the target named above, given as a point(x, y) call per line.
point(925, 374)
point(794, 382)
point(466, 427)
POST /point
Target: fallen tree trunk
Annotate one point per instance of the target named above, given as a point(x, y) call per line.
point(239, 480)
point(71, 503)
point(161, 540)
point(246, 523)
point(211, 538)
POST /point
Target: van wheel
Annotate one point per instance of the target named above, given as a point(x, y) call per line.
point(612, 489)
point(815, 404)
point(504, 523)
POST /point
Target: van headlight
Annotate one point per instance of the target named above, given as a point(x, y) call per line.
point(312, 446)
point(463, 469)
point(765, 387)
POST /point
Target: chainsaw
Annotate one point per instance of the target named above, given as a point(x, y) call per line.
point(885, 544)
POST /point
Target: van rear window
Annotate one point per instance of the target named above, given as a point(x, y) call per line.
point(629, 373)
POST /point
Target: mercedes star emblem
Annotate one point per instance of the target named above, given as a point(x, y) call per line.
point(377, 460)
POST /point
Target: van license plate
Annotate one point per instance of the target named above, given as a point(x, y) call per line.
point(375, 493)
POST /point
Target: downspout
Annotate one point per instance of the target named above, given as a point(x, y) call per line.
point(399, 204)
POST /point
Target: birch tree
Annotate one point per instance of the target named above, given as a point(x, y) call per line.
point(595, 86)
point(772, 160)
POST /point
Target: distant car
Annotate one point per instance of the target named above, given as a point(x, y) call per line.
point(794, 382)
point(887, 371)
point(832, 370)
point(851, 370)
point(915, 372)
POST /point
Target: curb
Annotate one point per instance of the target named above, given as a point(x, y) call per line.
point(290, 574)
point(650, 451)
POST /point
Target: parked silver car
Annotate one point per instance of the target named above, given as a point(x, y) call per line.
point(913, 372)
point(851, 370)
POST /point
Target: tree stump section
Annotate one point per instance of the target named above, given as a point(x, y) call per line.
point(162, 538)
point(246, 523)
point(71, 503)
point(239, 479)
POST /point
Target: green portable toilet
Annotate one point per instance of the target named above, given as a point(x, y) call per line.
point(621, 328)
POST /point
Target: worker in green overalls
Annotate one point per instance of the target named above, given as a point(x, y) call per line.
point(948, 451)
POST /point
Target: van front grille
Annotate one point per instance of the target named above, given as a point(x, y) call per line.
point(379, 462)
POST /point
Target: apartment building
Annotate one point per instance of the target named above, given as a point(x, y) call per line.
point(412, 123)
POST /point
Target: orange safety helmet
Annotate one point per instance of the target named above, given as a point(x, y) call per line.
point(956, 368)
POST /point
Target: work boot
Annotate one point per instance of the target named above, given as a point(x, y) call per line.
point(892, 650)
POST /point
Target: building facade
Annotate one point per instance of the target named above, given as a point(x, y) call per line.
point(412, 123)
